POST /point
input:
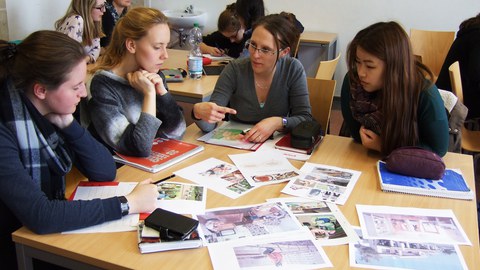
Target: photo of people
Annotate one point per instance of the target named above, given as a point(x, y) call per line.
point(236, 223)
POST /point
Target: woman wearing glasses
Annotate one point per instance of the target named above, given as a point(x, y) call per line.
point(268, 89)
point(83, 23)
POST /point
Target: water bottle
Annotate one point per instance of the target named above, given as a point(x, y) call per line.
point(195, 59)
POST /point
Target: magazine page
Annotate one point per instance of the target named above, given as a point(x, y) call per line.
point(286, 251)
point(324, 220)
point(217, 175)
point(323, 182)
point(265, 167)
point(250, 221)
point(182, 198)
point(126, 223)
point(410, 224)
point(393, 254)
point(230, 134)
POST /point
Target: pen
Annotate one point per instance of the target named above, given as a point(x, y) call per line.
point(164, 179)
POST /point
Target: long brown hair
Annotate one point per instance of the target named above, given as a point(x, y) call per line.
point(45, 57)
point(84, 8)
point(134, 25)
point(403, 80)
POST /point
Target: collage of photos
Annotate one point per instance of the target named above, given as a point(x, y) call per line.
point(288, 251)
point(182, 198)
point(226, 224)
point(410, 224)
point(322, 182)
point(324, 220)
point(391, 254)
point(265, 167)
point(219, 176)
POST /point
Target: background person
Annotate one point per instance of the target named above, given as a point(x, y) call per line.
point(130, 105)
point(228, 39)
point(388, 99)
point(114, 10)
point(83, 23)
point(268, 89)
point(466, 50)
point(42, 80)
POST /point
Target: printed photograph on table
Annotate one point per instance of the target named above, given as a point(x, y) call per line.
point(324, 220)
point(265, 167)
point(182, 198)
point(322, 182)
point(410, 224)
point(217, 175)
point(225, 224)
point(391, 254)
point(299, 251)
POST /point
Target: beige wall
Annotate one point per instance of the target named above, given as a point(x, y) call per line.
point(3, 20)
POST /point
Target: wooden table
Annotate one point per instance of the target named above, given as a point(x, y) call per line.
point(190, 90)
point(120, 251)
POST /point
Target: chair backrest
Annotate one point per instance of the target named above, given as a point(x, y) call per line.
point(432, 46)
point(327, 68)
point(456, 80)
point(321, 99)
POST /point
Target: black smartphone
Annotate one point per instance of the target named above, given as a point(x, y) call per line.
point(172, 226)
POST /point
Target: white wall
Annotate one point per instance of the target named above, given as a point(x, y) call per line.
point(344, 17)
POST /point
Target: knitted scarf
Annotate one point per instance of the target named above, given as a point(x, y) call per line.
point(42, 151)
point(366, 108)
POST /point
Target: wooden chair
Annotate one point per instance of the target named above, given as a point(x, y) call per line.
point(432, 47)
point(321, 99)
point(470, 138)
point(326, 69)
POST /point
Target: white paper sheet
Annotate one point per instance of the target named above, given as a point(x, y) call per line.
point(265, 167)
point(126, 223)
point(285, 251)
point(324, 220)
point(391, 254)
point(323, 182)
point(217, 175)
point(410, 224)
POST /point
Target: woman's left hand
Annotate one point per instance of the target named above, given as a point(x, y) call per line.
point(263, 129)
point(60, 120)
point(370, 139)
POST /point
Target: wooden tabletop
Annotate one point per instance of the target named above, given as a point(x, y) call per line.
point(318, 37)
point(120, 251)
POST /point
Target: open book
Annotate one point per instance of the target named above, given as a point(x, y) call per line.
point(230, 134)
point(165, 153)
point(452, 185)
point(149, 240)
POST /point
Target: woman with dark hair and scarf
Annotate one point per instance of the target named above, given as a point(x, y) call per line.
point(388, 98)
point(267, 89)
point(42, 80)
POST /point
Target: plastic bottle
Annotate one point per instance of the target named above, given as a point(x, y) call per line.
point(195, 59)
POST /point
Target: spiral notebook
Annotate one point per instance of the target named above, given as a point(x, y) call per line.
point(452, 185)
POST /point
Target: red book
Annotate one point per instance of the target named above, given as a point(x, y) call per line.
point(284, 144)
point(165, 153)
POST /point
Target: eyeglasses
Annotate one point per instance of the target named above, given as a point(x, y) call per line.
point(101, 8)
point(252, 48)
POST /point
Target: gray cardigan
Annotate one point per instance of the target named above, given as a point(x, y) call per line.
point(116, 115)
point(288, 95)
